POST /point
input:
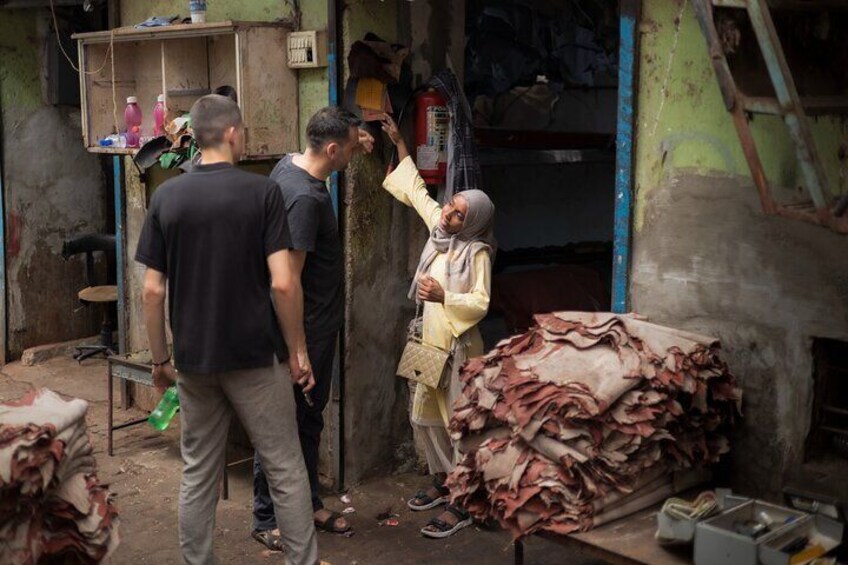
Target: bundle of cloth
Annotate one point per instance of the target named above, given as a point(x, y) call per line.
point(586, 418)
point(51, 504)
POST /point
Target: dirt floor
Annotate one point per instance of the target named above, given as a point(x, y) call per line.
point(144, 475)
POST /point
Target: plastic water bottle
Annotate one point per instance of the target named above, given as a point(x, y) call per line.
point(132, 119)
point(161, 417)
point(159, 116)
point(197, 8)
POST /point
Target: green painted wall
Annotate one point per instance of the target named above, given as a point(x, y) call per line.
point(134, 11)
point(20, 87)
point(312, 83)
point(682, 122)
point(45, 201)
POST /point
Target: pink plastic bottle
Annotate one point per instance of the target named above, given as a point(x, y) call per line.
point(159, 116)
point(132, 119)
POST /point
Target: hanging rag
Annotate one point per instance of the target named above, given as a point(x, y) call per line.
point(463, 165)
point(372, 57)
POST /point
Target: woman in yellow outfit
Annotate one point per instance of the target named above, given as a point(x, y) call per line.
point(453, 283)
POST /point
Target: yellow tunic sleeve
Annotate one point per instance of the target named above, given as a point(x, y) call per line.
point(405, 184)
point(465, 310)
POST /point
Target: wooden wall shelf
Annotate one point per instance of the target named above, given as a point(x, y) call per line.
point(184, 62)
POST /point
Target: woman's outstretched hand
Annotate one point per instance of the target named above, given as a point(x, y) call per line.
point(391, 129)
point(429, 290)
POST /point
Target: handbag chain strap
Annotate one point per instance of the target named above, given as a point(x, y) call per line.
point(455, 343)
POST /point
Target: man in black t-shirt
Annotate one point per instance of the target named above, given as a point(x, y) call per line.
point(217, 238)
point(317, 258)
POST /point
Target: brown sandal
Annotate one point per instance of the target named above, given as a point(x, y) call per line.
point(329, 524)
point(269, 540)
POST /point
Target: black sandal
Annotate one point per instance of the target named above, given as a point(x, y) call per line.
point(446, 529)
point(269, 540)
point(329, 524)
point(427, 501)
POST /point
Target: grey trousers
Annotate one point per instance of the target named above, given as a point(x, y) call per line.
point(262, 399)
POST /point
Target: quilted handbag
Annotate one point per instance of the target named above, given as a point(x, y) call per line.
point(421, 362)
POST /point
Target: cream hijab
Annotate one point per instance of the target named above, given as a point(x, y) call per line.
point(477, 234)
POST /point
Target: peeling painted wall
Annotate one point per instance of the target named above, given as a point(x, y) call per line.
point(376, 254)
point(681, 118)
point(436, 36)
point(53, 190)
point(707, 259)
point(383, 240)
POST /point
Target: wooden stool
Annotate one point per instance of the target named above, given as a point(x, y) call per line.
point(105, 296)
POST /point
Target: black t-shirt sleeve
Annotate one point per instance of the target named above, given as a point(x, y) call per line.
point(304, 218)
point(277, 236)
point(151, 244)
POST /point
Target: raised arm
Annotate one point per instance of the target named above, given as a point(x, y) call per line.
point(405, 184)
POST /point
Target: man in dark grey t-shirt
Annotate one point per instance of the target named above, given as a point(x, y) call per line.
point(317, 257)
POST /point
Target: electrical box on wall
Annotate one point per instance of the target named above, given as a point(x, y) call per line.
point(307, 49)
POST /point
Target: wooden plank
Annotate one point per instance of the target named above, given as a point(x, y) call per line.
point(222, 61)
point(99, 96)
point(811, 5)
point(813, 105)
point(268, 92)
point(819, 217)
point(137, 68)
point(113, 150)
point(131, 33)
point(186, 73)
point(733, 101)
point(147, 68)
point(627, 541)
point(787, 94)
point(83, 94)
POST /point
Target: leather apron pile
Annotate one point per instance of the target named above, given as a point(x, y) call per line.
point(51, 504)
point(587, 418)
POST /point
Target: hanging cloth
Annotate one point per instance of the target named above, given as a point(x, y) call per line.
point(463, 166)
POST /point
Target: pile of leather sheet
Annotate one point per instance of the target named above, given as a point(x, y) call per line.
point(586, 418)
point(51, 505)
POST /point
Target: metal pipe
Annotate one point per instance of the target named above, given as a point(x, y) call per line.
point(335, 75)
point(118, 170)
point(4, 318)
point(628, 54)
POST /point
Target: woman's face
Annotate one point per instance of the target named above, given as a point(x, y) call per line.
point(453, 214)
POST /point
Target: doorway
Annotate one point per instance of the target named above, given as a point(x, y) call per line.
point(542, 78)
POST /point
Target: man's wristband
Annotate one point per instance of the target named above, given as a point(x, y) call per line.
point(165, 362)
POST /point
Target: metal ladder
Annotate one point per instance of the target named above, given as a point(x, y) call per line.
point(823, 209)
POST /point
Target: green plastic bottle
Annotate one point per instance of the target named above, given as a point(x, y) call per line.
point(161, 417)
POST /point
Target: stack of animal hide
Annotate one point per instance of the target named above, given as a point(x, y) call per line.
point(51, 505)
point(586, 418)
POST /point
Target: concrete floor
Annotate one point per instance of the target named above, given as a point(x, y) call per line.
point(144, 475)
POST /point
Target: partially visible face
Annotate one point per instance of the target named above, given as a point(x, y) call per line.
point(341, 153)
point(453, 214)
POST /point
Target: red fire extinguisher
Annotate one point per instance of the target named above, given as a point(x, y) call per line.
point(431, 136)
